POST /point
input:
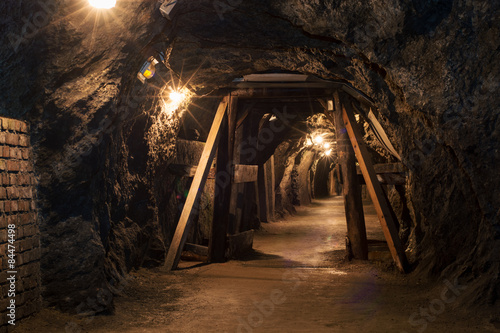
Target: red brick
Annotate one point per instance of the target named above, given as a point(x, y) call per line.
point(17, 124)
point(3, 164)
point(24, 127)
point(24, 166)
point(24, 140)
point(25, 192)
point(3, 193)
point(13, 206)
point(12, 139)
point(25, 153)
point(15, 153)
point(12, 192)
point(13, 219)
point(13, 165)
point(5, 179)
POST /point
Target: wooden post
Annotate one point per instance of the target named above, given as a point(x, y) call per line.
point(262, 190)
point(270, 188)
point(191, 204)
point(353, 202)
point(223, 186)
point(377, 195)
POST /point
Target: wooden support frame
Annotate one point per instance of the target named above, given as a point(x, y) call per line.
point(223, 186)
point(351, 189)
point(376, 193)
point(189, 210)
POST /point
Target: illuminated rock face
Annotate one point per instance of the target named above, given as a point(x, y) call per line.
point(430, 67)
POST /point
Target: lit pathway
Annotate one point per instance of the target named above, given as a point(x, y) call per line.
point(296, 281)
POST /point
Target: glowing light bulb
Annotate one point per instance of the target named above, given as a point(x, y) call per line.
point(326, 145)
point(328, 152)
point(318, 139)
point(176, 97)
point(103, 4)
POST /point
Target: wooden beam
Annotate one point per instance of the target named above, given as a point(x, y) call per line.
point(262, 190)
point(190, 206)
point(270, 180)
point(245, 173)
point(197, 249)
point(353, 202)
point(375, 190)
point(223, 186)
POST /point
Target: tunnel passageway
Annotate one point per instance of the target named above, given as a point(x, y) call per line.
point(296, 280)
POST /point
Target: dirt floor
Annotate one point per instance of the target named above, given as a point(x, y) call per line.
point(296, 280)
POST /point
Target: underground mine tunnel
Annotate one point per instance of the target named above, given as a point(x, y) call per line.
point(249, 166)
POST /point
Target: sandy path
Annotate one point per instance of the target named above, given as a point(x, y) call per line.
point(296, 281)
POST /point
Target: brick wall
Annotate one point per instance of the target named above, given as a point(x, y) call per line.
point(17, 208)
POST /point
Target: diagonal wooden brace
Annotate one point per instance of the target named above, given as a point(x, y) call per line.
point(376, 193)
point(191, 204)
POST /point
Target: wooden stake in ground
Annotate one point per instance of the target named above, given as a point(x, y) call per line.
point(191, 204)
point(377, 195)
point(353, 202)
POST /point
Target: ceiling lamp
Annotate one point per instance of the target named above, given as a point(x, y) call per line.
point(318, 139)
point(102, 4)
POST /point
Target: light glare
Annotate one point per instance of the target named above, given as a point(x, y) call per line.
point(176, 97)
point(102, 4)
point(318, 139)
point(326, 145)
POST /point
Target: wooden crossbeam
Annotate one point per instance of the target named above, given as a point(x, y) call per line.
point(375, 190)
point(207, 156)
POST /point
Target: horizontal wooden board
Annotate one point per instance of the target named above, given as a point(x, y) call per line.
point(245, 173)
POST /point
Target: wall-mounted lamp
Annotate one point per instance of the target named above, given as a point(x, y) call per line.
point(147, 70)
point(318, 139)
point(167, 9)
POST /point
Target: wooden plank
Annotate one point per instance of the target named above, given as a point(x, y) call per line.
point(195, 248)
point(262, 190)
point(353, 201)
point(245, 173)
point(236, 189)
point(382, 134)
point(220, 221)
point(270, 188)
point(376, 193)
point(181, 232)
